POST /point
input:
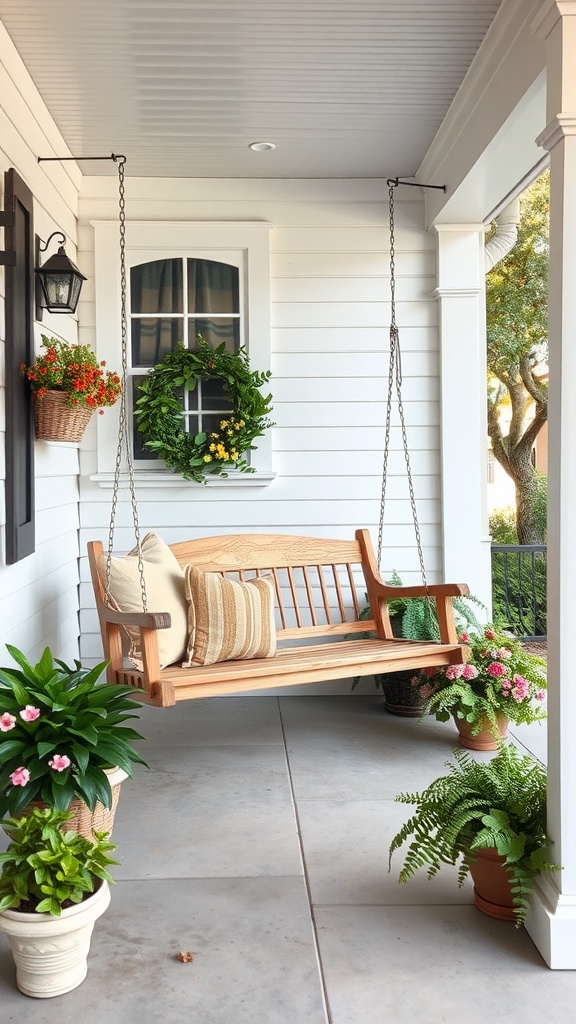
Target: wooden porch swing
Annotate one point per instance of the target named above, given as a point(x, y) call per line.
point(319, 587)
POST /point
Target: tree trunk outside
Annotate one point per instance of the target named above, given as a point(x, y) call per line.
point(526, 521)
point(514, 453)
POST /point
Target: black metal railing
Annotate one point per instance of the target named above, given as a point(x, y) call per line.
point(519, 588)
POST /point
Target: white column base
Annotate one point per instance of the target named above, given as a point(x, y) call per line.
point(551, 924)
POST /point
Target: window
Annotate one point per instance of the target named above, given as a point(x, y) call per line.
point(171, 301)
point(183, 279)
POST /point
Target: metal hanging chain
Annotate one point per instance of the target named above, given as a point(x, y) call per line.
point(395, 379)
point(123, 432)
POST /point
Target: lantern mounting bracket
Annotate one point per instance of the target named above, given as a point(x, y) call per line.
point(42, 246)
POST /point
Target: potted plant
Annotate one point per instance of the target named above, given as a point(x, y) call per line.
point(414, 618)
point(490, 816)
point(63, 738)
point(500, 683)
point(54, 884)
point(68, 384)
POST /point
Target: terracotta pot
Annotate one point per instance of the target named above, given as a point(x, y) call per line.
point(492, 885)
point(51, 953)
point(485, 739)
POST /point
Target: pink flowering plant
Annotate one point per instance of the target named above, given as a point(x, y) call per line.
point(500, 678)
point(59, 729)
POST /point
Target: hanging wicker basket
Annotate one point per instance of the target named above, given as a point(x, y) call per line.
point(54, 420)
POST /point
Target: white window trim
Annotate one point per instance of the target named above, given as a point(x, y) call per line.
point(150, 240)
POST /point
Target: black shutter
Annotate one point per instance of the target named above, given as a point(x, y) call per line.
point(19, 348)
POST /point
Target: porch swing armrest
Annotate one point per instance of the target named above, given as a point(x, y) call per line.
point(148, 620)
point(380, 593)
point(441, 593)
point(146, 672)
point(390, 593)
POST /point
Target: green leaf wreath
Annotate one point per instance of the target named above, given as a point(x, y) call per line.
point(159, 413)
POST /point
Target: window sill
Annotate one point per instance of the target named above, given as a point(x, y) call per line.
point(145, 478)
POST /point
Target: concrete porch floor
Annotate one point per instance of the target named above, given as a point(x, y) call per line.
point(258, 841)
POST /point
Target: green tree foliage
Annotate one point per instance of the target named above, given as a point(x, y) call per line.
point(517, 332)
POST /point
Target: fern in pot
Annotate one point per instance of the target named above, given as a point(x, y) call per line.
point(54, 884)
point(490, 818)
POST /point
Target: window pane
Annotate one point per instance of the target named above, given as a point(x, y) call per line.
point(154, 338)
point(192, 398)
point(214, 398)
point(216, 331)
point(211, 422)
point(157, 287)
point(212, 287)
point(191, 424)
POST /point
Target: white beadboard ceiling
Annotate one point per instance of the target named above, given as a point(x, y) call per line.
point(344, 88)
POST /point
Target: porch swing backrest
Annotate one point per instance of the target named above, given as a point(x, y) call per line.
point(320, 586)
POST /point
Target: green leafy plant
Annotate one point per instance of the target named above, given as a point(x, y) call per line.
point(45, 868)
point(160, 415)
point(500, 804)
point(502, 525)
point(500, 678)
point(59, 729)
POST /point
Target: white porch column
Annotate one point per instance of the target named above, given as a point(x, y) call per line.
point(463, 420)
point(552, 919)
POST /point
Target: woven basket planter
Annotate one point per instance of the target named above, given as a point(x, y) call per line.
point(54, 420)
point(400, 697)
point(101, 819)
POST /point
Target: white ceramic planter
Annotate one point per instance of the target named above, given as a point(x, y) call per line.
point(51, 953)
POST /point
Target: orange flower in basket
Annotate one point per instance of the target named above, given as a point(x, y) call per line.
point(74, 370)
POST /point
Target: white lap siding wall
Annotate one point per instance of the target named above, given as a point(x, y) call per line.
point(39, 594)
point(330, 313)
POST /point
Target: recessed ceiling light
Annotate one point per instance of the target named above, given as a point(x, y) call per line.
point(261, 147)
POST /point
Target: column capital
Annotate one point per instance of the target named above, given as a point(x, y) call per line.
point(465, 228)
point(557, 129)
point(549, 13)
point(450, 293)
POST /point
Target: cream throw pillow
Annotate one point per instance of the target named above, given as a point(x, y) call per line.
point(228, 619)
point(164, 580)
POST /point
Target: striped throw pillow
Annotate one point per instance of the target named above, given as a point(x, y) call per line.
point(228, 619)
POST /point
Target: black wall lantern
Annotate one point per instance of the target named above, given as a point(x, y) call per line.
point(59, 279)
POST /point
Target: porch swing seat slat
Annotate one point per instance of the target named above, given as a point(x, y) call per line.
point(320, 587)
